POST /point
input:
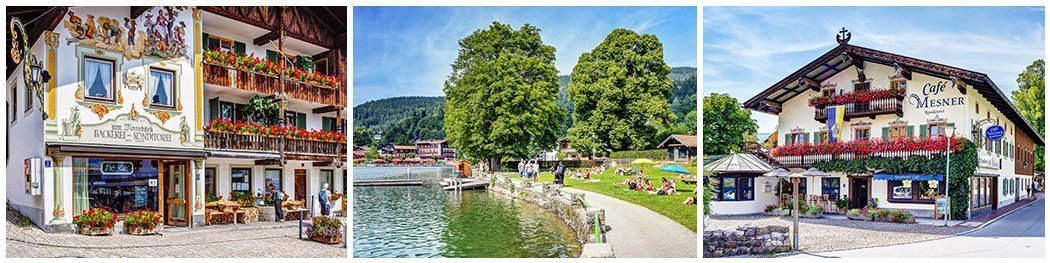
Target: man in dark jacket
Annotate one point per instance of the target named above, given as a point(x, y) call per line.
point(559, 174)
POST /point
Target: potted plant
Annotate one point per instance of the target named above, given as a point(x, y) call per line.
point(857, 214)
point(326, 229)
point(95, 222)
point(879, 215)
point(813, 212)
point(901, 216)
point(143, 222)
point(842, 203)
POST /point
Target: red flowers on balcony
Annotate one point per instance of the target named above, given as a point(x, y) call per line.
point(252, 63)
point(868, 147)
point(274, 131)
point(855, 97)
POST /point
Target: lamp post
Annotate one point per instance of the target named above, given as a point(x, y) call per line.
point(947, 172)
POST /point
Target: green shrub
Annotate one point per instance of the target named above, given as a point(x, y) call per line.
point(814, 210)
point(658, 154)
point(853, 212)
point(842, 202)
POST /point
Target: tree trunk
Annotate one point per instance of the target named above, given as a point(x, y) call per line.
point(494, 163)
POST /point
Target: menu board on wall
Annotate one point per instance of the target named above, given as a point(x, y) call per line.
point(140, 195)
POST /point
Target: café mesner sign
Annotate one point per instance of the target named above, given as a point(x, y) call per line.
point(929, 90)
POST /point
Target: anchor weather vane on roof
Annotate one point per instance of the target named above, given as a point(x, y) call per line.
point(843, 36)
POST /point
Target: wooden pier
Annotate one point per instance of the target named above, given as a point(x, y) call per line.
point(464, 183)
point(388, 182)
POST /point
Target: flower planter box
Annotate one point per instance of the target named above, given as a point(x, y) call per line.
point(95, 231)
point(811, 215)
point(858, 217)
point(779, 212)
point(142, 231)
point(328, 240)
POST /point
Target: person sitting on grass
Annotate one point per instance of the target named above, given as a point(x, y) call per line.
point(666, 188)
point(692, 199)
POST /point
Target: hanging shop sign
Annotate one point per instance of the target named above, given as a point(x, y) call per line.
point(928, 98)
point(995, 132)
point(989, 161)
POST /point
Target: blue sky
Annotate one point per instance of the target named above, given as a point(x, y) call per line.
point(407, 51)
point(748, 49)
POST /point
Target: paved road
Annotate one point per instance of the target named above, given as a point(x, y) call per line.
point(261, 239)
point(1020, 234)
point(638, 232)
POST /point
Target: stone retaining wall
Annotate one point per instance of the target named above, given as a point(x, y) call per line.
point(570, 209)
point(746, 240)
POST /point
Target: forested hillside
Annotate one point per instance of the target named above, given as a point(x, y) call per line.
point(403, 120)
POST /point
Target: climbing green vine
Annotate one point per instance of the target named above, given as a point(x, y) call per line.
point(964, 163)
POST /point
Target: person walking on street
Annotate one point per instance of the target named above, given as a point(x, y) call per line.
point(325, 203)
point(521, 169)
point(277, 196)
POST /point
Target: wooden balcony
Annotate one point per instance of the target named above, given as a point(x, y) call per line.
point(263, 144)
point(868, 109)
point(268, 84)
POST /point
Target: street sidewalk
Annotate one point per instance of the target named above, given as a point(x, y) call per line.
point(999, 213)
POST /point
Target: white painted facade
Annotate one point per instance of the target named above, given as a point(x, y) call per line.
point(78, 121)
point(965, 109)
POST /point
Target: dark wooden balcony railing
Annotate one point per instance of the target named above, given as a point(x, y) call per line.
point(805, 161)
point(870, 109)
point(255, 143)
point(266, 84)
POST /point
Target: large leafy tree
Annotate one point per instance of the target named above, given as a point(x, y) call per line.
point(620, 91)
point(501, 97)
point(1029, 99)
point(362, 136)
point(726, 124)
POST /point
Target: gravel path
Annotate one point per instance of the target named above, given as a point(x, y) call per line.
point(819, 235)
point(638, 232)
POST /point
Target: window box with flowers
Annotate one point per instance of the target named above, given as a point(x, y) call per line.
point(856, 97)
point(143, 222)
point(266, 67)
point(95, 222)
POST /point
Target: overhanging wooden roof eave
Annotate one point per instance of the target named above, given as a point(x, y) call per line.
point(980, 81)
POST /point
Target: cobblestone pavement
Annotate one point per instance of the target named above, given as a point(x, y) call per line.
point(261, 239)
point(819, 235)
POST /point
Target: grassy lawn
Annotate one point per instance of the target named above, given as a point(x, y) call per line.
point(667, 205)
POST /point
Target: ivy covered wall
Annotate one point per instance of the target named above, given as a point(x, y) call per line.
point(964, 164)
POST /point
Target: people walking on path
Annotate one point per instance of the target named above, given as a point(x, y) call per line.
point(521, 169)
point(559, 174)
point(277, 196)
point(324, 196)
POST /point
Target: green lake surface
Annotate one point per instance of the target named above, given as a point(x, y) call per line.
point(426, 221)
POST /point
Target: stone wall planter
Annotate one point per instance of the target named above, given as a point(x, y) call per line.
point(746, 241)
point(778, 212)
point(812, 215)
point(858, 217)
point(94, 231)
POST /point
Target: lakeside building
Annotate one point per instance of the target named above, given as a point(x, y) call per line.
point(884, 97)
point(435, 149)
point(134, 99)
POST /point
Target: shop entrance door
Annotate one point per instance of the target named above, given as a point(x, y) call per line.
point(995, 193)
point(175, 193)
point(858, 192)
point(300, 184)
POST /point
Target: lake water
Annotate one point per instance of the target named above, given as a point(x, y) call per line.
point(426, 221)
